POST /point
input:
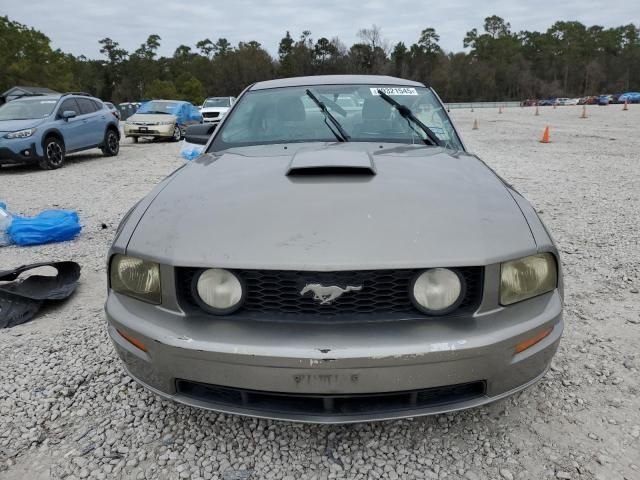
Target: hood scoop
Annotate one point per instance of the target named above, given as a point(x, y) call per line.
point(331, 162)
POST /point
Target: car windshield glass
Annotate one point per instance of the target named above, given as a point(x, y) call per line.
point(27, 109)
point(216, 102)
point(155, 106)
point(285, 115)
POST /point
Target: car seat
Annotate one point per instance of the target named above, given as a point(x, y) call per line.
point(376, 118)
point(290, 118)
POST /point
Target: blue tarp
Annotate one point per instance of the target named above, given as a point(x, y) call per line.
point(46, 227)
point(189, 151)
point(184, 111)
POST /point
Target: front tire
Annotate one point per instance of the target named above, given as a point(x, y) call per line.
point(177, 134)
point(135, 139)
point(111, 145)
point(54, 154)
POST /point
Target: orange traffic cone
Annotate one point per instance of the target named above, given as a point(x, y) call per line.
point(475, 124)
point(537, 112)
point(584, 112)
point(471, 108)
point(626, 105)
point(499, 109)
point(545, 135)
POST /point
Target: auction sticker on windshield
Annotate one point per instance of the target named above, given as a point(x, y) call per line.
point(395, 91)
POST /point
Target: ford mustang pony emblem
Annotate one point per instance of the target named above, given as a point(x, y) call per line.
point(326, 295)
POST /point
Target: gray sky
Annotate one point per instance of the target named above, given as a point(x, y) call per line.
point(75, 26)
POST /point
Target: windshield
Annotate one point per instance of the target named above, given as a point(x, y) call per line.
point(217, 102)
point(285, 115)
point(159, 106)
point(27, 109)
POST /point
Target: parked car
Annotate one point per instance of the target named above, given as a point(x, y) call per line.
point(529, 102)
point(162, 119)
point(547, 102)
point(214, 108)
point(318, 266)
point(43, 129)
point(566, 101)
point(112, 108)
point(605, 99)
point(589, 100)
point(629, 97)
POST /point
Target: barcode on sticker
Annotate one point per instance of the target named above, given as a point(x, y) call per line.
point(395, 91)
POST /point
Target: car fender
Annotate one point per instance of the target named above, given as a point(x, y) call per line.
point(131, 219)
point(111, 124)
point(50, 131)
point(541, 235)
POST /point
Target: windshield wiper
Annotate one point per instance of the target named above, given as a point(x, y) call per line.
point(406, 112)
point(341, 134)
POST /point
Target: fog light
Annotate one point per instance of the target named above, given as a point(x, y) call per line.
point(437, 291)
point(218, 291)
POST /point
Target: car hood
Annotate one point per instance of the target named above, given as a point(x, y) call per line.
point(214, 109)
point(15, 125)
point(151, 118)
point(423, 207)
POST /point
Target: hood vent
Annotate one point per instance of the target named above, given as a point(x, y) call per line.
point(331, 162)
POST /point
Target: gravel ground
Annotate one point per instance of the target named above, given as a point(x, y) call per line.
point(67, 410)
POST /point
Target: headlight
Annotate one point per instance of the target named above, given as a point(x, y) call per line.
point(218, 291)
point(166, 123)
point(437, 291)
point(527, 277)
point(136, 278)
point(21, 133)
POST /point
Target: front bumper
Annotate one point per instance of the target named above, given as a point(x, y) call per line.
point(284, 371)
point(21, 151)
point(161, 131)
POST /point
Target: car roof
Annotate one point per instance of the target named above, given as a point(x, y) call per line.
point(38, 97)
point(334, 80)
point(164, 100)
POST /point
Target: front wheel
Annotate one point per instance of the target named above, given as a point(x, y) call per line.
point(177, 134)
point(111, 145)
point(53, 154)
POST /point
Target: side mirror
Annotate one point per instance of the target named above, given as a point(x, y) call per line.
point(67, 114)
point(199, 134)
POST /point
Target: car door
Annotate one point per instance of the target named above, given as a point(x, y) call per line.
point(71, 128)
point(93, 122)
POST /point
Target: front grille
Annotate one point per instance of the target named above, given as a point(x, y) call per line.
point(384, 293)
point(211, 114)
point(331, 405)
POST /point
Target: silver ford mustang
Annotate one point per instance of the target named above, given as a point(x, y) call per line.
point(334, 255)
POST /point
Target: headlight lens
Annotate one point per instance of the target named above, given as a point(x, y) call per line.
point(166, 123)
point(527, 277)
point(218, 291)
point(21, 133)
point(136, 278)
point(437, 291)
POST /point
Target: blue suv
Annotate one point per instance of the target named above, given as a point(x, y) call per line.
point(43, 129)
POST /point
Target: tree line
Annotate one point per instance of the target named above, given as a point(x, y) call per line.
point(569, 59)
